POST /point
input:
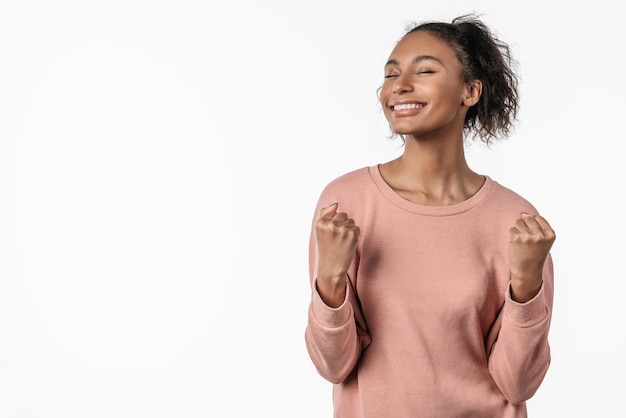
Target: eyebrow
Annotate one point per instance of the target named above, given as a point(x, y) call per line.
point(416, 60)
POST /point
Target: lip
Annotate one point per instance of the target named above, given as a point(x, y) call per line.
point(411, 110)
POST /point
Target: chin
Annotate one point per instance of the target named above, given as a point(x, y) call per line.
point(406, 128)
point(407, 131)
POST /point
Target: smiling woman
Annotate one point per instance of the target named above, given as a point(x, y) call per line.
point(159, 166)
point(432, 284)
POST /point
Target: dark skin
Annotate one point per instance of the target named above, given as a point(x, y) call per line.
point(425, 99)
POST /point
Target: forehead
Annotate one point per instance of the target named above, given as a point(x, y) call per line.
point(423, 43)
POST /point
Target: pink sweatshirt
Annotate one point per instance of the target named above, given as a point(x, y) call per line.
point(428, 327)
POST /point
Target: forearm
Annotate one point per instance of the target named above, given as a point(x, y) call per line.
point(332, 338)
point(520, 357)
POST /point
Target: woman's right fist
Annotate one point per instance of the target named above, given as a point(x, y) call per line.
point(337, 236)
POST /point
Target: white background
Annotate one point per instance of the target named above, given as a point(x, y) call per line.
point(159, 166)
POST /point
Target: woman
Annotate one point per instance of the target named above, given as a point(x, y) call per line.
point(432, 285)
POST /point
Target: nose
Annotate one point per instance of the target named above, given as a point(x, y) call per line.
point(402, 84)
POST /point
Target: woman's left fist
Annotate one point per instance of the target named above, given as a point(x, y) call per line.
point(530, 240)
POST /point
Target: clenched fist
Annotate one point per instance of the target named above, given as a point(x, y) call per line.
point(337, 237)
point(530, 240)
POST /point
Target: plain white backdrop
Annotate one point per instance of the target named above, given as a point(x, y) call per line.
point(159, 166)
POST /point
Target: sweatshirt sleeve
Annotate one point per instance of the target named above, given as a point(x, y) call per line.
point(520, 356)
point(334, 337)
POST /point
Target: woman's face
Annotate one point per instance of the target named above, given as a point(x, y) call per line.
point(423, 93)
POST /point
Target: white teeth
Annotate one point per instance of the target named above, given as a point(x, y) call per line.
point(407, 106)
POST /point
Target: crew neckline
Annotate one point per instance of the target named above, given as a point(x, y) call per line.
point(446, 210)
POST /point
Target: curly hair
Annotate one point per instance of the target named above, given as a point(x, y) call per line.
point(486, 58)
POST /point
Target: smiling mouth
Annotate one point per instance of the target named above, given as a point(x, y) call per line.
point(407, 106)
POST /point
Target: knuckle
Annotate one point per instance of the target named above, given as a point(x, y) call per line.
point(320, 224)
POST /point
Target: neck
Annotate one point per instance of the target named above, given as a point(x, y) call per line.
point(432, 172)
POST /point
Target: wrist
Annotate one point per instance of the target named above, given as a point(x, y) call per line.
point(523, 291)
point(332, 290)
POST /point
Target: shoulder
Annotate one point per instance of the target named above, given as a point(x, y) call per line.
point(351, 189)
point(350, 180)
point(505, 200)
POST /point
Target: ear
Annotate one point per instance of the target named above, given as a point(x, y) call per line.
point(472, 95)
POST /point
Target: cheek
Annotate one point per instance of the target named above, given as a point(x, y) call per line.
point(387, 113)
point(450, 93)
